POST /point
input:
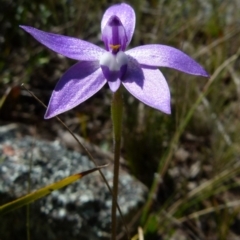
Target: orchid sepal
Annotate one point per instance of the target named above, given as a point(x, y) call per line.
point(70, 47)
point(157, 55)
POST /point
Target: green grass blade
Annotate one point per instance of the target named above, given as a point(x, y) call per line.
point(29, 198)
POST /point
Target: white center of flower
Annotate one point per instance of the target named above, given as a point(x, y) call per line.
point(113, 61)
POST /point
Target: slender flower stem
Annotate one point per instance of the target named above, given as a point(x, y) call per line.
point(89, 155)
point(116, 112)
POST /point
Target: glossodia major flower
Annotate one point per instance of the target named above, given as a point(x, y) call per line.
point(137, 68)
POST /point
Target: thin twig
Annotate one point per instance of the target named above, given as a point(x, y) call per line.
point(140, 233)
point(210, 210)
point(89, 155)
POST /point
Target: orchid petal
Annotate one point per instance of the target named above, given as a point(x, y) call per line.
point(113, 61)
point(113, 67)
point(78, 84)
point(147, 85)
point(156, 55)
point(114, 85)
point(67, 46)
point(126, 15)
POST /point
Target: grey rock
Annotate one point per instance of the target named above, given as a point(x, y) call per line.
point(79, 211)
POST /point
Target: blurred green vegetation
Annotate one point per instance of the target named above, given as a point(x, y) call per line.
point(190, 159)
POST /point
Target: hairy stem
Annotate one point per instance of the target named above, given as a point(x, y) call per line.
point(116, 112)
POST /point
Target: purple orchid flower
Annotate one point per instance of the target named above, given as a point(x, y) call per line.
point(136, 69)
